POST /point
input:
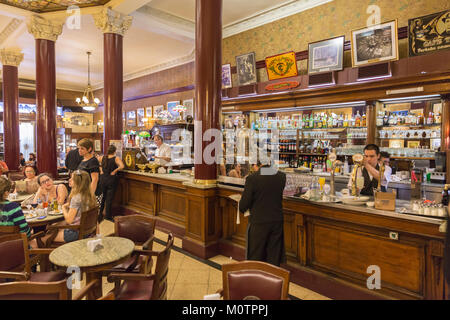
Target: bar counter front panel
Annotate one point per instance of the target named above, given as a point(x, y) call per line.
point(327, 245)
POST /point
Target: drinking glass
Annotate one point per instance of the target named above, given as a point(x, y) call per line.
point(321, 182)
point(359, 184)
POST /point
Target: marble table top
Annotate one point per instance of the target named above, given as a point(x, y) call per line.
point(19, 197)
point(76, 253)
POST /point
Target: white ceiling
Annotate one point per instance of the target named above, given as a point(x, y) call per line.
point(161, 35)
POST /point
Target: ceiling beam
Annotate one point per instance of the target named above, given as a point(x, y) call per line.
point(126, 6)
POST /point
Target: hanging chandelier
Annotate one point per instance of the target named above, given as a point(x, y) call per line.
point(88, 101)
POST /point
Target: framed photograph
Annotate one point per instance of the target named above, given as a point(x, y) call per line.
point(429, 33)
point(281, 66)
point(157, 110)
point(149, 112)
point(396, 144)
point(375, 44)
point(131, 119)
point(326, 55)
point(80, 122)
point(97, 145)
point(140, 117)
point(226, 76)
point(189, 104)
point(246, 69)
point(171, 105)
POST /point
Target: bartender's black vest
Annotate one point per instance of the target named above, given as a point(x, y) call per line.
point(369, 185)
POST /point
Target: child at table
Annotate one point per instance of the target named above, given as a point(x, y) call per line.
point(80, 200)
point(11, 213)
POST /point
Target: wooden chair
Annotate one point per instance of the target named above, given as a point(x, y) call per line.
point(145, 286)
point(86, 228)
point(9, 230)
point(254, 280)
point(141, 230)
point(16, 261)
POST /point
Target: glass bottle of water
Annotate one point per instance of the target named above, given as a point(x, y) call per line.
point(315, 189)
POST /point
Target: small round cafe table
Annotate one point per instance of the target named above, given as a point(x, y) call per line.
point(19, 198)
point(115, 251)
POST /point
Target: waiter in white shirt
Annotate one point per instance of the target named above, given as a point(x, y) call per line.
point(370, 169)
point(163, 151)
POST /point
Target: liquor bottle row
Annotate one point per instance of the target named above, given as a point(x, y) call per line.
point(395, 119)
point(312, 121)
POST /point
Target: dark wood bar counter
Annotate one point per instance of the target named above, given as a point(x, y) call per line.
point(329, 246)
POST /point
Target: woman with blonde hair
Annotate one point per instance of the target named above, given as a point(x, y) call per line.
point(80, 200)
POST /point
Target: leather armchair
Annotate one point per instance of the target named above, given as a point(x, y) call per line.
point(254, 280)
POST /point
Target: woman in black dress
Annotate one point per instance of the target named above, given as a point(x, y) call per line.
point(89, 163)
point(110, 165)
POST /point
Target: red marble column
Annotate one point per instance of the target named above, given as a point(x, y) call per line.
point(46, 106)
point(208, 86)
point(11, 116)
point(113, 91)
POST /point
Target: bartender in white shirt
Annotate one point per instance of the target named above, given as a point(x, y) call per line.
point(369, 170)
point(163, 151)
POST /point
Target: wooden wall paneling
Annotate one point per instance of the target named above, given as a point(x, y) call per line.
point(435, 276)
point(290, 235)
point(138, 196)
point(172, 205)
point(445, 135)
point(350, 252)
point(371, 119)
point(301, 239)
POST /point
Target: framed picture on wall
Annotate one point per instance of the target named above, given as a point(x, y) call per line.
point(140, 117)
point(246, 69)
point(149, 112)
point(189, 104)
point(281, 66)
point(131, 118)
point(97, 145)
point(226, 76)
point(375, 44)
point(171, 105)
point(157, 110)
point(326, 55)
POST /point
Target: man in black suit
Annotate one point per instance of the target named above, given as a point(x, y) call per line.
point(73, 158)
point(263, 196)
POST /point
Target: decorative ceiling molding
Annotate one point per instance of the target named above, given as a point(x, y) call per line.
point(9, 29)
point(161, 22)
point(154, 69)
point(270, 15)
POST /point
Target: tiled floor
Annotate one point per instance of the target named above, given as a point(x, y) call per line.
point(190, 279)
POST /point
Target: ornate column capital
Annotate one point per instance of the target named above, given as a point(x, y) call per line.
point(110, 21)
point(11, 57)
point(42, 28)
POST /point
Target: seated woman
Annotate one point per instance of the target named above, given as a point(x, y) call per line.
point(236, 171)
point(48, 192)
point(31, 181)
point(80, 200)
point(31, 160)
point(10, 212)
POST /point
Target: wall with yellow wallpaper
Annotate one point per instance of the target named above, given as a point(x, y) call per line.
point(333, 19)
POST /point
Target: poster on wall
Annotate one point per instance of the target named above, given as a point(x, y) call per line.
point(246, 69)
point(140, 117)
point(80, 122)
point(429, 33)
point(170, 106)
point(326, 55)
point(226, 76)
point(131, 119)
point(189, 104)
point(281, 66)
point(157, 110)
point(149, 112)
point(374, 44)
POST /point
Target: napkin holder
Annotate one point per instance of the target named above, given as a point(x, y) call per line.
point(214, 296)
point(94, 245)
point(385, 200)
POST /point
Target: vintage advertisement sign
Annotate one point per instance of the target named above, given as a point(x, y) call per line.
point(429, 33)
point(281, 66)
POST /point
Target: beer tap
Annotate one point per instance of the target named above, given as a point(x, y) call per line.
point(382, 169)
point(358, 162)
point(334, 164)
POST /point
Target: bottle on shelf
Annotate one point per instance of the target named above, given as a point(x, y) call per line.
point(445, 195)
point(380, 119)
point(352, 121)
point(346, 167)
point(430, 118)
point(340, 122)
point(437, 118)
point(364, 120)
point(345, 123)
point(386, 119)
point(332, 121)
point(357, 120)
